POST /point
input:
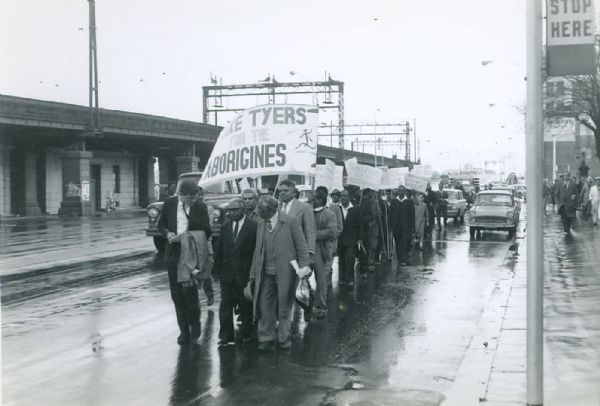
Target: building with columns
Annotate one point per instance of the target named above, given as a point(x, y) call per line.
point(52, 164)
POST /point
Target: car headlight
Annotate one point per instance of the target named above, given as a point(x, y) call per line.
point(153, 212)
point(217, 213)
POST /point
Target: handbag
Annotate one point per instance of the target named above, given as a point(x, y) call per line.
point(303, 293)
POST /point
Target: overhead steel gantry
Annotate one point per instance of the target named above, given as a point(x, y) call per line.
point(332, 91)
point(402, 129)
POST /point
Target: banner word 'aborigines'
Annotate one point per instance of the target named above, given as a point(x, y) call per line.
point(265, 140)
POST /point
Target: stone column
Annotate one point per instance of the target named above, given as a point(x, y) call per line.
point(32, 206)
point(76, 183)
point(149, 187)
point(5, 179)
point(187, 164)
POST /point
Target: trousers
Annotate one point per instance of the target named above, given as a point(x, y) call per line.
point(185, 299)
point(346, 259)
point(275, 306)
point(232, 295)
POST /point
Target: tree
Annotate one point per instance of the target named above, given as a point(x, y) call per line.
point(580, 99)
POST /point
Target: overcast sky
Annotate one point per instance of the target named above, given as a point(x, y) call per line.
point(409, 59)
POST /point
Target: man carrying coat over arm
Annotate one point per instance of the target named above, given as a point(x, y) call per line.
point(180, 214)
point(233, 260)
point(273, 281)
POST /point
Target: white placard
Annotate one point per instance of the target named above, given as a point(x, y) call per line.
point(338, 178)
point(325, 175)
point(364, 176)
point(265, 140)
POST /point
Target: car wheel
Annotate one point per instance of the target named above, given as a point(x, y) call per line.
point(511, 232)
point(160, 243)
point(462, 217)
point(472, 231)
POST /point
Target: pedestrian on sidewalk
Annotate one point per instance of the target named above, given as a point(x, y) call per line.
point(233, 260)
point(595, 201)
point(567, 202)
point(584, 198)
point(546, 193)
point(441, 206)
point(181, 213)
point(273, 281)
point(326, 224)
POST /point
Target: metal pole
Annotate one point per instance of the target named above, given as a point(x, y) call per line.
point(535, 212)
point(553, 158)
point(91, 63)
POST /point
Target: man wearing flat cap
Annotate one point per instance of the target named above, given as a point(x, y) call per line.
point(181, 213)
point(233, 260)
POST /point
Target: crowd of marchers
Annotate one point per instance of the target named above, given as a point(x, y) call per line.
point(272, 246)
point(568, 196)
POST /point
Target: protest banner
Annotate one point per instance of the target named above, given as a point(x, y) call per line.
point(265, 140)
point(325, 174)
point(364, 176)
point(393, 177)
point(338, 178)
point(418, 178)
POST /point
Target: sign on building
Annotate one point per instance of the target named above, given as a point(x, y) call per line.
point(265, 140)
point(570, 36)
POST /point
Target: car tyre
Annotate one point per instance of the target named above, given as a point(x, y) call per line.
point(511, 232)
point(472, 231)
point(160, 243)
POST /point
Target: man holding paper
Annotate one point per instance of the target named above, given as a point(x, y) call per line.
point(279, 241)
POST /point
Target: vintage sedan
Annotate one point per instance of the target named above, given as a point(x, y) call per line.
point(214, 200)
point(494, 210)
point(457, 204)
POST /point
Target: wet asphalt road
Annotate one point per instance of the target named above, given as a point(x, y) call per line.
point(103, 332)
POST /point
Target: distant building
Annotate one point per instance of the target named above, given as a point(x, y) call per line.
point(566, 141)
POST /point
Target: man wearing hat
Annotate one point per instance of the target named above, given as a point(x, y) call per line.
point(233, 260)
point(183, 212)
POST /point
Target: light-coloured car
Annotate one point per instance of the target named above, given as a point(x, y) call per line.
point(457, 204)
point(494, 210)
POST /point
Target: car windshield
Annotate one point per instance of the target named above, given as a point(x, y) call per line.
point(493, 200)
point(451, 195)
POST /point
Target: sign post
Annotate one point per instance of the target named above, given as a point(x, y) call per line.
point(570, 33)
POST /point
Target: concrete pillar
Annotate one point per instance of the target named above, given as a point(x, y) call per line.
point(32, 206)
point(76, 183)
point(187, 164)
point(149, 188)
point(5, 179)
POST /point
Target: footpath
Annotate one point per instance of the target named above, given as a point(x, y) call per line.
point(493, 371)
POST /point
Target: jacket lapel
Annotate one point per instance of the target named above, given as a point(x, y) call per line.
point(241, 232)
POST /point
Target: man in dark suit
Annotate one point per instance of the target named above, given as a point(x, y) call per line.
point(182, 213)
point(233, 260)
point(348, 239)
point(567, 202)
point(402, 222)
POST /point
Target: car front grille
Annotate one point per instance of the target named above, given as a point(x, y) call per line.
point(490, 219)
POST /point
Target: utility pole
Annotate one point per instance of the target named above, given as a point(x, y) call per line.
point(535, 210)
point(94, 124)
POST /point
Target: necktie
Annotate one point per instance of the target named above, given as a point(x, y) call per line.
point(235, 230)
point(285, 208)
point(269, 225)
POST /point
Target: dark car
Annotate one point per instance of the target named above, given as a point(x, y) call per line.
point(214, 201)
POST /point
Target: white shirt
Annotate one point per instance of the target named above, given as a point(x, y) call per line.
point(345, 209)
point(273, 221)
point(240, 224)
point(286, 206)
point(182, 220)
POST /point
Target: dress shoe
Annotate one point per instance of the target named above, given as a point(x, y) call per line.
point(195, 331)
point(210, 300)
point(224, 342)
point(183, 338)
point(266, 346)
point(285, 345)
